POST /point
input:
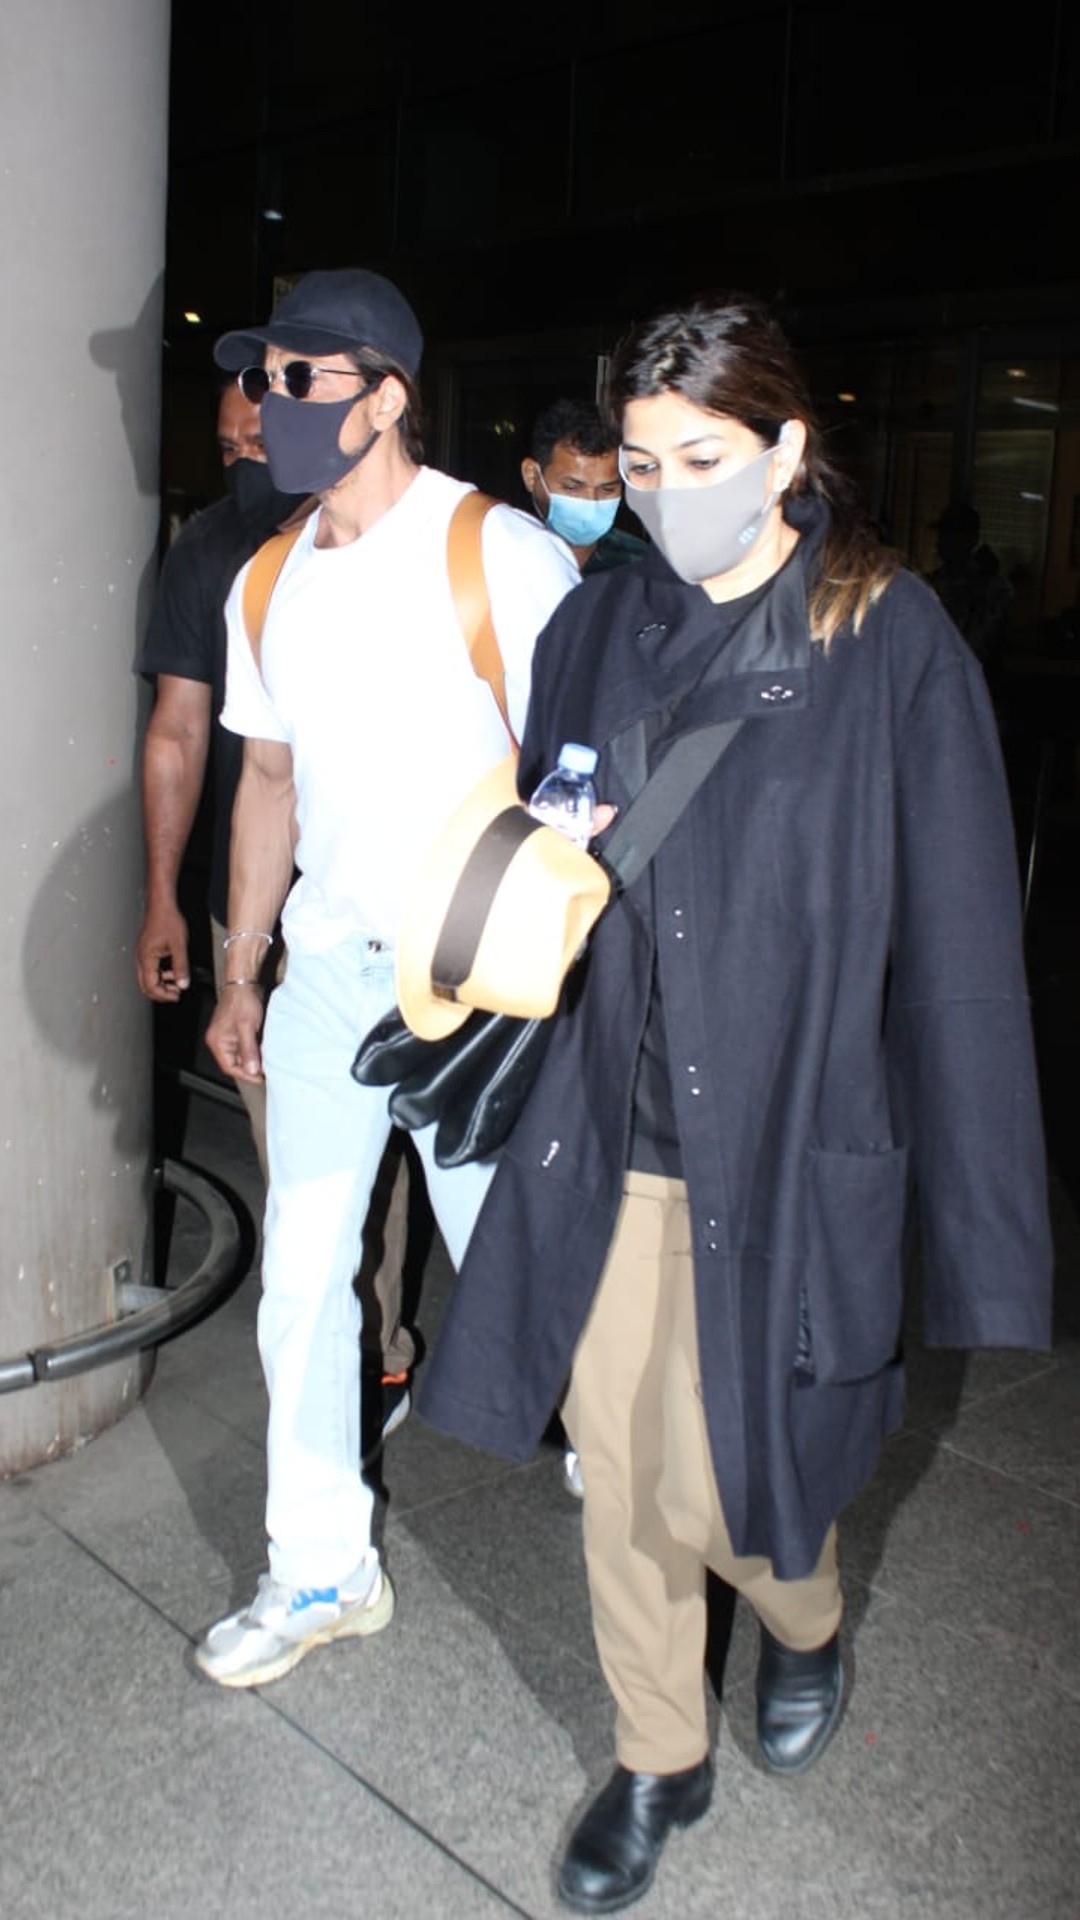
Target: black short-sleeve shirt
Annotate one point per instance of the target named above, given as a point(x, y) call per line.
point(185, 636)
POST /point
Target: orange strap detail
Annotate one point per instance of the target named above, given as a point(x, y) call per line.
point(262, 574)
point(468, 588)
point(472, 602)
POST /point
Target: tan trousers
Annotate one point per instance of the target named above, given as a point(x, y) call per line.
point(378, 1281)
point(653, 1518)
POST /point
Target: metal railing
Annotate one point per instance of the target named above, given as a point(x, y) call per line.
point(148, 1315)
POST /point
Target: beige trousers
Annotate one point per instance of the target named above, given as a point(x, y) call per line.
point(653, 1518)
point(378, 1281)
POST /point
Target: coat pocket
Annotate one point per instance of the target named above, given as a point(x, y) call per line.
point(851, 1300)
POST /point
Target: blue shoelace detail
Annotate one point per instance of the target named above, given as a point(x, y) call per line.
point(313, 1597)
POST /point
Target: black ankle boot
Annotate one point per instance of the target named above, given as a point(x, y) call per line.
point(798, 1702)
point(613, 1851)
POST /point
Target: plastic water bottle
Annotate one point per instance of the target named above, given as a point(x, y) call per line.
point(566, 798)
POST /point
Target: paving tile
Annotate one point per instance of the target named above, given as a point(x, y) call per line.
point(420, 1467)
point(981, 1551)
point(1031, 1433)
point(944, 1384)
point(445, 1761)
point(172, 1501)
point(467, 1715)
point(215, 1367)
point(130, 1787)
point(515, 1540)
point(935, 1798)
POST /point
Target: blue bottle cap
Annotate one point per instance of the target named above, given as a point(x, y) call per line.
point(578, 759)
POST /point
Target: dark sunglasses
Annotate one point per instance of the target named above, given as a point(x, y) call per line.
point(297, 378)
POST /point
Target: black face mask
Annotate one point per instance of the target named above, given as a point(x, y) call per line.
point(250, 486)
point(302, 444)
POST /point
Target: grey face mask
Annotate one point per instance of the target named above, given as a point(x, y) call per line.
point(703, 531)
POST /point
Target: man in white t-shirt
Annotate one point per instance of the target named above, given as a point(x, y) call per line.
point(364, 726)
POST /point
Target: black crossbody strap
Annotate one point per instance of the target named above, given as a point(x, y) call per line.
point(651, 815)
point(692, 755)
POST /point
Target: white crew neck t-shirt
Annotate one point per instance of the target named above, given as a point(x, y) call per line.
point(366, 676)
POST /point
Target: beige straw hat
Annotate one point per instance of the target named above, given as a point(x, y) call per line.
point(499, 909)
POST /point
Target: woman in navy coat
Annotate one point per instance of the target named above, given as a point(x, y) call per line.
point(802, 1034)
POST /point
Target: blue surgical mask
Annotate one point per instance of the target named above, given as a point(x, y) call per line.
point(581, 522)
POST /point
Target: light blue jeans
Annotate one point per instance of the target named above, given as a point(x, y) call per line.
point(325, 1138)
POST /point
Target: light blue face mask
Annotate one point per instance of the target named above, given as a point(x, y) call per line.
point(581, 522)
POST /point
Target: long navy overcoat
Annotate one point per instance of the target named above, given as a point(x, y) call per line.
point(835, 927)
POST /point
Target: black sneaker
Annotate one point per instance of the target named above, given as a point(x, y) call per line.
point(385, 1400)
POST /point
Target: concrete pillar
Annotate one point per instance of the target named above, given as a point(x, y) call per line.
point(84, 108)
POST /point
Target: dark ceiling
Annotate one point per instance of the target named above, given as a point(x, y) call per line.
point(519, 172)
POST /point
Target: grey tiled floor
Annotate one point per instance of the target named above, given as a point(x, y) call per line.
point(432, 1773)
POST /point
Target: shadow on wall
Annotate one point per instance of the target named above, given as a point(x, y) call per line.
point(133, 355)
point(77, 966)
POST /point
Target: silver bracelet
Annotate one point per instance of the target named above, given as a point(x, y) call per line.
point(243, 980)
point(245, 933)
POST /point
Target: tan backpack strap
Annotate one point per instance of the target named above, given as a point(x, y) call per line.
point(472, 602)
point(263, 573)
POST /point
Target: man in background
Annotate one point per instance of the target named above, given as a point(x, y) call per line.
point(969, 583)
point(184, 652)
point(571, 475)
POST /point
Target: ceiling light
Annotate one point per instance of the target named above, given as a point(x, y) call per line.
point(1036, 406)
point(848, 399)
point(1016, 373)
point(273, 213)
point(193, 319)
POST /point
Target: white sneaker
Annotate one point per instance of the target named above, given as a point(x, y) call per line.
point(282, 1624)
point(571, 1473)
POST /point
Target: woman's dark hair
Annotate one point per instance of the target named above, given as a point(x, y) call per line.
point(376, 366)
point(726, 354)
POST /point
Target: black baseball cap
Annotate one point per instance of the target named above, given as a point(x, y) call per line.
point(332, 312)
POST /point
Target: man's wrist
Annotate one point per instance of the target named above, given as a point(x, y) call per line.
point(161, 896)
point(241, 934)
point(245, 950)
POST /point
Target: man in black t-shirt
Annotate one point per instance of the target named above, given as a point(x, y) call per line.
point(184, 650)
